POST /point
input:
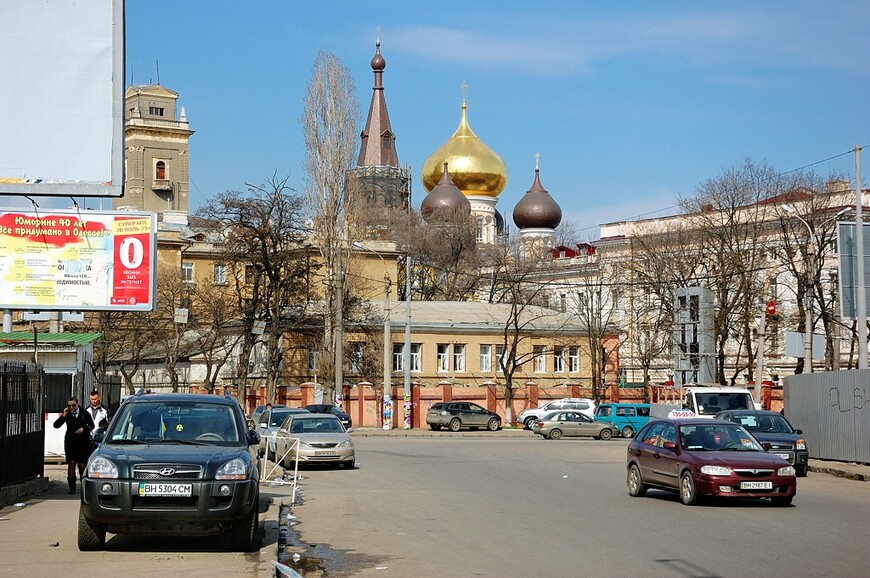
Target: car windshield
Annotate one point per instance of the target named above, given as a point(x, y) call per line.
point(717, 437)
point(713, 403)
point(764, 423)
point(184, 422)
point(316, 425)
point(277, 418)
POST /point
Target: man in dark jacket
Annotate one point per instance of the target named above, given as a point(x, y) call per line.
point(76, 440)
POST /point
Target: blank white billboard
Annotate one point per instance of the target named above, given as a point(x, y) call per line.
point(62, 97)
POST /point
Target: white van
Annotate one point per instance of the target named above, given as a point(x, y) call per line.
point(707, 401)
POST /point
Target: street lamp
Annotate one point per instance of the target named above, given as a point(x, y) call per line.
point(812, 246)
point(387, 417)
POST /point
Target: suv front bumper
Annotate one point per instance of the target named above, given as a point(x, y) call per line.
point(212, 507)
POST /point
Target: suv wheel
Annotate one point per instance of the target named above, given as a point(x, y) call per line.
point(246, 536)
point(91, 538)
point(493, 424)
point(529, 422)
point(455, 424)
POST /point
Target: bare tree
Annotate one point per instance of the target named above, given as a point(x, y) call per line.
point(330, 123)
point(263, 243)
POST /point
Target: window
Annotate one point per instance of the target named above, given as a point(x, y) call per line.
point(399, 357)
point(559, 359)
point(386, 143)
point(187, 272)
point(355, 356)
point(220, 274)
point(155, 110)
point(563, 302)
point(481, 230)
point(160, 171)
point(573, 359)
point(416, 356)
point(443, 357)
point(499, 357)
point(486, 358)
point(398, 361)
point(540, 353)
point(459, 357)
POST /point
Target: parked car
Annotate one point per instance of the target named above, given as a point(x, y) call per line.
point(571, 423)
point(255, 415)
point(771, 427)
point(581, 404)
point(456, 415)
point(703, 457)
point(334, 410)
point(321, 439)
point(625, 418)
point(173, 464)
point(268, 425)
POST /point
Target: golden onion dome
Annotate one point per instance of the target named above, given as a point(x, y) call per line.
point(474, 167)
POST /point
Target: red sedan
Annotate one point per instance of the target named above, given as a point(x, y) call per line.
point(703, 457)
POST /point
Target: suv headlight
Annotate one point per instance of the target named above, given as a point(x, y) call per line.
point(786, 471)
point(234, 469)
point(800, 444)
point(102, 468)
point(715, 470)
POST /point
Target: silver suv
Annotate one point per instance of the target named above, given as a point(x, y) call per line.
point(581, 404)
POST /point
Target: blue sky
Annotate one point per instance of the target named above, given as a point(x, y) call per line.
point(629, 103)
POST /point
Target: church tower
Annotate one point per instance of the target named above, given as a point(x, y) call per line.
point(477, 170)
point(378, 178)
point(157, 158)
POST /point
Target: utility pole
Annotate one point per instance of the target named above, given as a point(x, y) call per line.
point(388, 356)
point(339, 328)
point(406, 356)
point(861, 297)
point(759, 362)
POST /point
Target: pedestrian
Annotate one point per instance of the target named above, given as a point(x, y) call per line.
point(76, 440)
point(99, 414)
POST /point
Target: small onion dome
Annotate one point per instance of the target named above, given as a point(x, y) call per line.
point(475, 168)
point(378, 62)
point(444, 200)
point(537, 209)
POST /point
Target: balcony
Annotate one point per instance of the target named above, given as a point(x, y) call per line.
point(161, 185)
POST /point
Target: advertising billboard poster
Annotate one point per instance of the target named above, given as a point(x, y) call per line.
point(62, 102)
point(73, 260)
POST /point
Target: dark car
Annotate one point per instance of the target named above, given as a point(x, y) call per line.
point(699, 457)
point(772, 428)
point(456, 415)
point(334, 410)
point(173, 465)
point(258, 412)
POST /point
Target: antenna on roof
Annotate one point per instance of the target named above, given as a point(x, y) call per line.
point(158, 71)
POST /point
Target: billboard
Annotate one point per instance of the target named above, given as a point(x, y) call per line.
point(78, 260)
point(847, 259)
point(62, 103)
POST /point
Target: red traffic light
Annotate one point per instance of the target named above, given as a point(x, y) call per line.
point(771, 307)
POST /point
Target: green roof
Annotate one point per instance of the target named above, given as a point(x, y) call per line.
point(65, 338)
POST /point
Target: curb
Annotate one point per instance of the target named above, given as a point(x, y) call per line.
point(840, 473)
point(10, 494)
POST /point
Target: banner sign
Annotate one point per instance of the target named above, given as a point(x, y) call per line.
point(72, 260)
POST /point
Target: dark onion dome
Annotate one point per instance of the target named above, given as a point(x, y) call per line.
point(537, 209)
point(378, 62)
point(444, 200)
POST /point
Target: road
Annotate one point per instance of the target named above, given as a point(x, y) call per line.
point(473, 506)
point(482, 505)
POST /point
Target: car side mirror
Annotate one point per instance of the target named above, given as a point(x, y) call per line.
point(799, 431)
point(766, 446)
point(253, 437)
point(99, 435)
point(670, 445)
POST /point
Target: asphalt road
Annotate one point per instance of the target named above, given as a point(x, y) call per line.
point(473, 506)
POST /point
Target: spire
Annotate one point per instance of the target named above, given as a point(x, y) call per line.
point(378, 146)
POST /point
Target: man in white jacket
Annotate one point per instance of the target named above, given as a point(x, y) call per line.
point(99, 414)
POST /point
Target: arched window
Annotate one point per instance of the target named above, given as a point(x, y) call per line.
point(481, 230)
point(160, 171)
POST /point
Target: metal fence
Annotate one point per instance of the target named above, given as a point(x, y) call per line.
point(22, 437)
point(833, 410)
